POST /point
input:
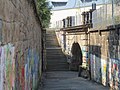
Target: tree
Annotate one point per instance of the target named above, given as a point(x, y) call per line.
point(44, 12)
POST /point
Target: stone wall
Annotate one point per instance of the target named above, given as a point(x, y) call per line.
point(20, 50)
point(104, 47)
point(101, 51)
point(66, 41)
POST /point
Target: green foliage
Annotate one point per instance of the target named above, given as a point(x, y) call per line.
point(44, 12)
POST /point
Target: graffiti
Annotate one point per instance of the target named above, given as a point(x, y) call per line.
point(104, 71)
point(18, 72)
point(2, 67)
point(7, 67)
point(95, 68)
point(31, 69)
point(114, 71)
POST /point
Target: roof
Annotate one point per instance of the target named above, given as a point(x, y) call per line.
point(78, 3)
point(58, 4)
point(55, 4)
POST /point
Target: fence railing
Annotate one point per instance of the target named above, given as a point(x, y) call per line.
point(107, 15)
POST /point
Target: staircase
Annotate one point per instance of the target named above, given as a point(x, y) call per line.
point(56, 60)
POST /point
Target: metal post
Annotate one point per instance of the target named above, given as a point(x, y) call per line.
point(113, 13)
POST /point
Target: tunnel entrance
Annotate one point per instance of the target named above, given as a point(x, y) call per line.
point(76, 58)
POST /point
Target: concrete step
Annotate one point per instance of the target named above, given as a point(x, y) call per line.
point(51, 40)
point(55, 54)
point(54, 49)
point(52, 44)
point(55, 41)
point(56, 59)
point(60, 68)
point(49, 45)
point(50, 35)
point(57, 63)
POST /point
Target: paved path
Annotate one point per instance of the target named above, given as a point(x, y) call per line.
point(67, 80)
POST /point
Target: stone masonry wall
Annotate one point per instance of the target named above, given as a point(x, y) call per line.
point(104, 54)
point(20, 50)
point(66, 41)
point(102, 49)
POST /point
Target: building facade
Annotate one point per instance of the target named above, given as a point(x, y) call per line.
point(73, 8)
point(100, 43)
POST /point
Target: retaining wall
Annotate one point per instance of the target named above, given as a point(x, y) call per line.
point(20, 50)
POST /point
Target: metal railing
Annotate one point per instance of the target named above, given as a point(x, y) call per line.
point(107, 15)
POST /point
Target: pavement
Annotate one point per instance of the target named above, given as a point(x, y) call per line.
point(68, 80)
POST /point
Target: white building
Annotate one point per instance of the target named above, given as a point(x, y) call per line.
point(72, 8)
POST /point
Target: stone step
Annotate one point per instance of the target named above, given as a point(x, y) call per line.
point(52, 44)
point(60, 55)
point(56, 59)
point(54, 49)
point(50, 35)
point(56, 63)
point(55, 54)
point(51, 41)
point(58, 69)
point(49, 68)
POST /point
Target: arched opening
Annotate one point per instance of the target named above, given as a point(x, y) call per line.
point(76, 59)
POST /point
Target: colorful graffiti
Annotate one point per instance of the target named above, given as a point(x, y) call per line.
point(105, 71)
point(18, 71)
point(31, 69)
point(7, 63)
point(95, 68)
point(85, 53)
point(114, 73)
